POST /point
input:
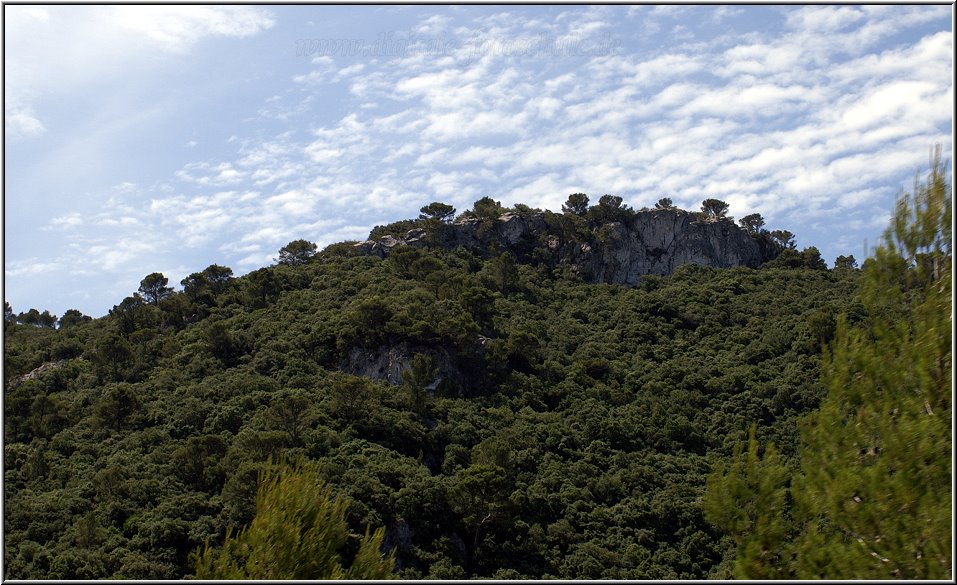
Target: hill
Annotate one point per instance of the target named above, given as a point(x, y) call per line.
point(512, 393)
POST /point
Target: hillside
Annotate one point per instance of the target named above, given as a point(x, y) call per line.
point(511, 393)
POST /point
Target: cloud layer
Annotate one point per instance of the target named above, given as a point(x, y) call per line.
point(811, 116)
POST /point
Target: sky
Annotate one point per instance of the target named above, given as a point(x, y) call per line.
point(144, 139)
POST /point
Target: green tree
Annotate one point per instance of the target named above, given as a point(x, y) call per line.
point(198, 462)
point(664, 203)
point(610, 208)
point(610, 201)
point(714, 209)
point(73, 317)
point(153, 288)
point(292, 413)
point(576, 204)
point(47, 319)
point(203, 287)
point(299, 532)
point(438, 211)
point(749, 497)
point(31, 317)
point(811, 258)
point(218, 277)
point(297, 253)
point(845, 262)
point(872, 498)
point(784, 239)
point(221, 342)
point(353, 397)
point(117, 406)
point(112, 353)
point(263, 286)
point(487, 208)
point(752, 223)
point(370, 317)
point(416, 380)
point(504, 272)
point(129, 313)
point(479, 494)
point(877, 458)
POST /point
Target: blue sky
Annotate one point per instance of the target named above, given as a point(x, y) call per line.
point(169, 138)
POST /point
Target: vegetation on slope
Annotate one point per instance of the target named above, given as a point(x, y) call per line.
point(541, 427)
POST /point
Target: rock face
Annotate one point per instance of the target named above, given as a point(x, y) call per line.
point(387, 363)
point(44, 367)
point(657, 242)
point(617, 252)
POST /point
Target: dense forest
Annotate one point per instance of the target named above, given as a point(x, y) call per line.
point(444, 412)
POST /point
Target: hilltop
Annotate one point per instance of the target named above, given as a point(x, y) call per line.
point(605, 243)
point(509, 393)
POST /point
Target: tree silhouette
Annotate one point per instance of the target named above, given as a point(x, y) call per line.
point(438, 211)
point(714, 209)
point(576, 204)
point(664, 203)
point(752, 223)
point(154, 289)
point(845, 262)
point(784, 238)
point(297, 253)
point(73, 317)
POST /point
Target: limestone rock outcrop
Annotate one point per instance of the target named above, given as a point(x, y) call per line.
point(616, 252)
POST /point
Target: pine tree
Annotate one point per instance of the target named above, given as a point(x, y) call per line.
point(749, 497)
point(299, 532)
point(153, 288)
point(872, 498)
point(876, 459)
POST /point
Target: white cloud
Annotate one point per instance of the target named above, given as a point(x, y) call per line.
point(885, 102)
point(60, 52)
point(205, 173)
point(324, 68)
point(353, 69)
point(31, 267)
point(434, 24)
point(177, 28)
point(72, 219)
point(824, 19)
point(295, 202)
point(723, 13)
point(803, 119)
point(117, 254)
point(22, 122)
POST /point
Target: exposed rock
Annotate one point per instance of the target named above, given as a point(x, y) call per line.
point(384, 363)
point(387, 363)
point(398, 537)
point(42, 369)
point(417, 238)
point(620, 252)
point(512, 227)
point(369, 248)
point(657, 242)
point(389, 242)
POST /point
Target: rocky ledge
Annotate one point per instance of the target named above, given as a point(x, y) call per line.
point(616, 252)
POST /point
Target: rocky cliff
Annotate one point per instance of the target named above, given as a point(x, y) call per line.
point(616, 252)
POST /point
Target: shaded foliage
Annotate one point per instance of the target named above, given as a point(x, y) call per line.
point(497, 417)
